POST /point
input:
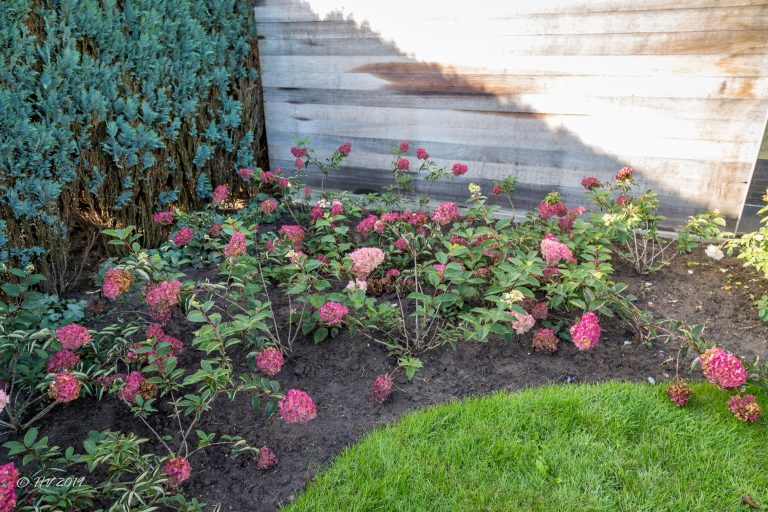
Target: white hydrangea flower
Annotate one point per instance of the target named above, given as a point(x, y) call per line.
point(714, 252)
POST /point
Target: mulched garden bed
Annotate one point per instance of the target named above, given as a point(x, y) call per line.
point(338, 374)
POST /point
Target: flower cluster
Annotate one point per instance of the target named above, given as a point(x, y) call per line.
point(156, 332)
point(365, 260)
point(586, 332)
point(745, 408)
point(163, 218)
point(545, 341)
point(72, 336)
point(183, 236)
point(548, 210)
point(445, 214)
point(220, 194)
point(622, 200)
point(215, 230)
point(297, 407)
point(266, 458)
point(366, 225)
point(422, 154)
point(332, 313)
point(590, 182)
point(9, 478)
point(116, 283)
point(540, 310)
point(268, 177)
point(402, 164)
point(161, 297)
point(679, 393)
point(294, 234)
point(236, 245)
point(554, 250)
point(177, 470)
point(624, 174)
point(245, 173)
point(722, 368)
point(4, 399)
point(459, 169)
point(133, 382)
point(345, 148)
point(62, 360)
point(65, 387)
point(357, 284)
point(268, 206)
point(382, 388)
point(269, 361)
point(523, 322)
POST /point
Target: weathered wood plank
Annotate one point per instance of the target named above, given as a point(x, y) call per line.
point(661, 43)
point(531, 105)
point(539, 65)
point(434, 79)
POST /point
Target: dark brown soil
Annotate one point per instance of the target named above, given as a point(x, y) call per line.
point(338, 375)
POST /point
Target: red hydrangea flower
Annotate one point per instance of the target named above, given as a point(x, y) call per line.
point(163, 218)
point(220, 194)
point(545, 341)
point(177, 470)
point(299, 152)
point(215, 230)
point(679, 393)
point(266, 458)
point(392, 273)
point(294, 234)
point(496, 190)
point(183, 236)
point(337, 207)
point(722, 368)
point(245, 173)
point(9, 479)
point(624, 174)
point(268, 206)
point(283, 183)
point(296, 407)
point(299, 163)
point(400, 244)
point(590, 182)
point(554, 250)
point(62, 360)
point(459, 169)
point(445, 213)
point(622, 200)
point(745, 408)
point(270, 361)
point(403, 164)
point(72, 336)
point(133, 383)
point(540, 310)
point(267, 177)
point(404, 146)
point(345, 148)
point(116, 283)
point(565, 224)
point(65, 387)
point(586, 332)
point(366, 225)
point(332, 313)
point(422, 154)
point(382, 388)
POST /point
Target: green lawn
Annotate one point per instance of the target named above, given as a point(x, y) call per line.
point(612, 447)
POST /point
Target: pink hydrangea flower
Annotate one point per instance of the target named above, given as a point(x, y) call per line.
point(332, 313)
point(445, 213)
point(440, 269)
point(545, 341)
point(554, 250)
point(307, 190)
point(296, 407)
point(624, 174)
point(745, 408)
point(132, 385)
point(270, 361)
point(586, 332)
point(236, 245)
point(422, 154)
point(366, 225)
point(337, 208)
point(163, 218)
point(266, 458)
point(550, 273)
point(299, 163)
point(267, 177)
point(403, 164)
point(245, 173)
point(459, 169)
point(540, 311)
point(65, 387)
point(294, 234)
point(316, 213)
point(400, 244)
point(220, 194)
point(268, 206)
point(9, 479)
point(156, 332)
point(404, 146)
point(565, 224)
point(357, 284)
point(4, 399)
point(161, 297)
point(345, 148)
point(392, 273)
point(183, 236)
point(299, 152)
point(215, 230)
point(679, 393)
point(177, 470)
point(72, 336)
point(622, 200)
point(365, 260)
point(283, 183)
point(496, 190)
point(722, 368)
point(382, 388)
point(116, 283)
point(590, 182)
point(523, 322)
point(62, 360)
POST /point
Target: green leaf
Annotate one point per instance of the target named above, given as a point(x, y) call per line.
point(320, 334)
